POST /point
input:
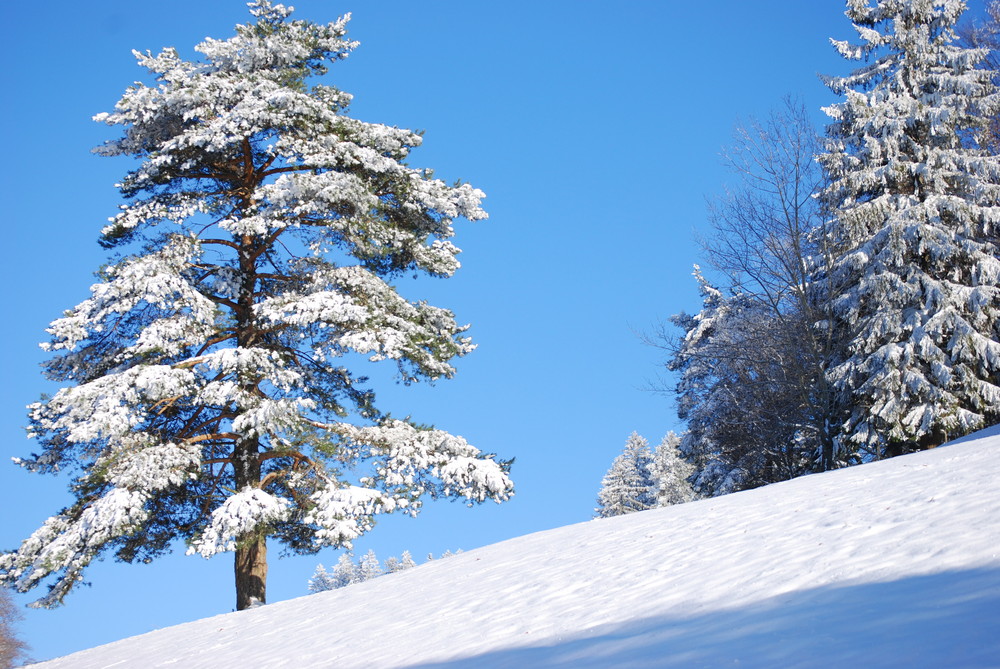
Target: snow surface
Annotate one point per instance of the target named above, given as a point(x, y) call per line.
point(895, 563)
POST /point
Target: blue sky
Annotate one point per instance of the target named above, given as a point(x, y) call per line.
point(593, 127)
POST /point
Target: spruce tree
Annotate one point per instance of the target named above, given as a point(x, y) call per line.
point(369, 567)
point(406, 561)
point(629, 485)
point(401, 563)
point(345, 572)
point(322, 580)
point(671, 472)
point(914, 200)
point(207, 392)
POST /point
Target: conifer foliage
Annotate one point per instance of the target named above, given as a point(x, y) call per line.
point(629, 485)
point(914, 199)
point(641, 478)
point(348, 571)
point(671, 473)
point(207, 395)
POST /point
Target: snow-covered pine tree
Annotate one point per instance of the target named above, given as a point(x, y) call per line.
point(208, 397)
point(670, 472)
point(629, 485)
point(915, 230)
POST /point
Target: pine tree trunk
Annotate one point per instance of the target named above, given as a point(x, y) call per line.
point(251, 572)
point(250, 565)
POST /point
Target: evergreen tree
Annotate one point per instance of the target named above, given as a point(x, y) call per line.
point(629, 485)
point(321, 580)
point(671, 472)
point(345, 572)
point(393, 564)
point(405, 562)
point(207, 396)
point(915, 228)
point(986, 35)
point(369, 567)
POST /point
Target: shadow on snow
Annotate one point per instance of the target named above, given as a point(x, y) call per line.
point(946, 619)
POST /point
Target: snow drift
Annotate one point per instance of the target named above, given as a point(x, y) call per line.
point(896, 563)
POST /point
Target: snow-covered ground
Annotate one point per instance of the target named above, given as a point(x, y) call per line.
point(892, 564)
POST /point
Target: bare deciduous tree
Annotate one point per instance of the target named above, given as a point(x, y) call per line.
point(12, 649)
point(752, 385)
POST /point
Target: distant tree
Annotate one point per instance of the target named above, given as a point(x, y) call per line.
point(348, 571)
point(322, 580)
point(345, 572)
point(402, 563)
point(368, 567)
point(913, 191)
point(13, 651)
point(629, 485)
point(670, 473)
point(209, 398)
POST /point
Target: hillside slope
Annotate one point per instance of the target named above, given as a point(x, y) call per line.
point(895, 563)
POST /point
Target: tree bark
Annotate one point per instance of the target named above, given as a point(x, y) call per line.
point(251, 572)
point(250, 564)
point(251, 549)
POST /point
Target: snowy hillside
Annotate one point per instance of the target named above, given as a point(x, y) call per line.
point(895, 563)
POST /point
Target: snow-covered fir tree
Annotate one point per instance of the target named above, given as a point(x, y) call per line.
point(629, 485)
point(348, 571)
point(671, 472)
point(369, 567)
point(322, 580)
point(345, 572)
point(402, 563)
point(405, 562)
point(914, 201)
point(207, 396)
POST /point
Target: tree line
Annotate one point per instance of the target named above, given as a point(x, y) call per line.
point(349, 570)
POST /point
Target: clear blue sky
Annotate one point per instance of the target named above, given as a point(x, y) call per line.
point(593, 127)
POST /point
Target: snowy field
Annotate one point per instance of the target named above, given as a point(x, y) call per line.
point(892, 564)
